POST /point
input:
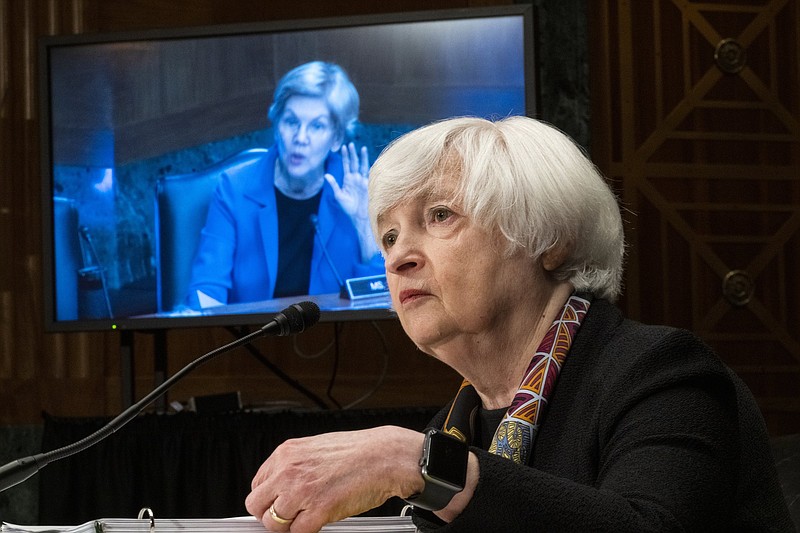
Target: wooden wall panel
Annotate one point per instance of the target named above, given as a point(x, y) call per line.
point(699, 127)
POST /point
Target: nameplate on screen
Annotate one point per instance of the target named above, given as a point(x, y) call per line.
point(365, 287)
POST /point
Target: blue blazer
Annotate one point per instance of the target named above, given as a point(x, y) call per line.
point(237, 259)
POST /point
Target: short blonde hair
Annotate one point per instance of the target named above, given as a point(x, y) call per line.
point(323, 80)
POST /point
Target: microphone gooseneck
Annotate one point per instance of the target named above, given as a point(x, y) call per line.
point(294, 319)
point(87, 236)
point(315, 222)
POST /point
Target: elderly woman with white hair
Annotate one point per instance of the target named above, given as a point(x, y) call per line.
point(504, 249)
point(295, 221)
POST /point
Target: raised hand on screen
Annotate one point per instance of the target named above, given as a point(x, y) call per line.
point(352, 195)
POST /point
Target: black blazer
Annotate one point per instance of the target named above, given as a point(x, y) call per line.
point(647, 430)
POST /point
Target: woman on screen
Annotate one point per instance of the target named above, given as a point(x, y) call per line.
point(295, 223)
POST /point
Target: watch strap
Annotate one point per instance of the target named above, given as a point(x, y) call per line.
point(433, 498)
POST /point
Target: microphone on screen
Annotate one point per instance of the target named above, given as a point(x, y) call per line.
point(293, 320)
point(315, 222)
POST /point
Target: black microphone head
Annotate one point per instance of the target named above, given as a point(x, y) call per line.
point(294, 319)
point(304, 315)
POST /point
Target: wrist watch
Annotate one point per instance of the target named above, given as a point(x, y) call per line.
point(444, 469)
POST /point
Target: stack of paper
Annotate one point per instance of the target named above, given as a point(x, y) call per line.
point(245, 524)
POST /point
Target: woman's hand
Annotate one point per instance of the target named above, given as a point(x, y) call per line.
point(314, 481)
point(352, 195)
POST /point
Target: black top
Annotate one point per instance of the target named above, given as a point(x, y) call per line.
point(487, 422)
point(295, 243)
point(646, 430)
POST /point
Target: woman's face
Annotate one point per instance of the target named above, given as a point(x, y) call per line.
point(305, 135)
point(448, 277)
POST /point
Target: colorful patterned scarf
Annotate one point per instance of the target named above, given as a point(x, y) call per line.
point(515, 434)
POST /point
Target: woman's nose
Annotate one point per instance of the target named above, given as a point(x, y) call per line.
point(404, 256)
point(301, 135)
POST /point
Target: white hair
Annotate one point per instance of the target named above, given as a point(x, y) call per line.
point(519, 175)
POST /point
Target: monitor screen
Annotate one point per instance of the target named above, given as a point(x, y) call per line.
point(184, 171)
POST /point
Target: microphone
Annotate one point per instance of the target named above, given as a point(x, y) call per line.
point(87, 236)
point(294, 319)
point(315, 221)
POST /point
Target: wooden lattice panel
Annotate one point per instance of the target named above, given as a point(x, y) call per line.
point(701, 116)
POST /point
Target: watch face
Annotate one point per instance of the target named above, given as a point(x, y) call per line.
point(447, 459)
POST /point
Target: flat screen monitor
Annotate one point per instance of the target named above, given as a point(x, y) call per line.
point(141, 129)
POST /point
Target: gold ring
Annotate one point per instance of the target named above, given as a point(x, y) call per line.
point(278, 519)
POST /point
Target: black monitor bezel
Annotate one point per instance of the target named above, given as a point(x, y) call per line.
point(47, 43)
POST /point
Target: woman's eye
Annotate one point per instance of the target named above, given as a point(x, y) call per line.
point(318, 126)
point(440, 214)
point(389, 239)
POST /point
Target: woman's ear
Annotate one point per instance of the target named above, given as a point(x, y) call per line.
point(555, 256)
point(338, 141)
